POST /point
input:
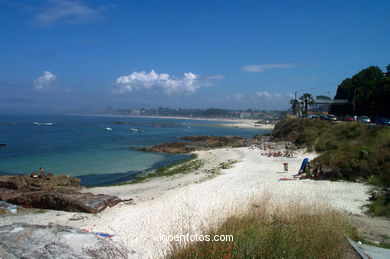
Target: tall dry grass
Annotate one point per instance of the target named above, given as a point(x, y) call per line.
point(264, 230)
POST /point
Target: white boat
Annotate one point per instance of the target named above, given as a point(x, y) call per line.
point(134, 129)
point(108, 129)
point(43, 123)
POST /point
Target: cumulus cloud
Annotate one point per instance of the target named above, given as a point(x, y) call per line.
point(261, 68)
point(45, 81)
point(154, 81)
point(238, 97)
point(269, 95)
point(69, 11)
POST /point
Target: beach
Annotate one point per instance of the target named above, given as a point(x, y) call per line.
point(231, 123)
point(189, 203)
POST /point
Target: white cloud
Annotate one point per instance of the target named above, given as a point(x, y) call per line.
point(152, 80)
point(45, 81)
point(238, 97)
point(263, 67)
point(269, 95)
point(68, 11)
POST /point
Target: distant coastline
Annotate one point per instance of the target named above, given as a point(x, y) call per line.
point(235, 123)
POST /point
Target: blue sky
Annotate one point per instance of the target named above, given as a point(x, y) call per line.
point(59, 56)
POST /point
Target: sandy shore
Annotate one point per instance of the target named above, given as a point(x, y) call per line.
point(232, 123)
point(187, 203)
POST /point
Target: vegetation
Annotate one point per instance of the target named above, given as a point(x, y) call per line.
point(367, 92)
point(347, 150)
point(380, 207)
point(350, 151)
point(228, 164)
point(296, 231)
point(188, 165)
point(306, 99)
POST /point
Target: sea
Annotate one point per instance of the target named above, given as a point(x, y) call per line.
point(100, 150)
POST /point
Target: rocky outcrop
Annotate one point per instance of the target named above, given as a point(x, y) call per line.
point(59, 192)
point(216, 141)
point(171, 148)
point(55, 241)
point(197, 143)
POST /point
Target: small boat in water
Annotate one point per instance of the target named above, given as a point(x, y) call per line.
point(108, 129)
point(43, 123)
point(134, 130)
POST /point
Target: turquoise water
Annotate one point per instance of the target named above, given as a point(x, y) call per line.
point(82, 146)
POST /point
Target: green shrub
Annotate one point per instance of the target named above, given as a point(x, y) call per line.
point(347, 150)
point(296, 232)
point(380, 206)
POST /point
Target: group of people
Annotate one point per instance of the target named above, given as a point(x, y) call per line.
point(272, 152)
point(40, 175)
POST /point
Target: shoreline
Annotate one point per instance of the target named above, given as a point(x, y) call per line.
point(167, 205)
point(235, 123)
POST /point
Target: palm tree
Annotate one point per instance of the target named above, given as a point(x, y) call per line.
point(306, 99)
point(294, 105)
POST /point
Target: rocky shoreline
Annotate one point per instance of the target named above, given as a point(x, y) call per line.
point(58, 192)
point(197, 142)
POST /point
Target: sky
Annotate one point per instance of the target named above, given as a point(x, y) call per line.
point(63, 56)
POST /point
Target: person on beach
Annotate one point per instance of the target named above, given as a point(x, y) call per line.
point(41, 172)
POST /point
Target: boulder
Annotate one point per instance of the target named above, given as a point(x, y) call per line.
point(197, 143)
point(55, 241)
point(59, 192)
point(171, 148)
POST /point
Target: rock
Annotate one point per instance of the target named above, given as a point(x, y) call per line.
point(197, 143)
point(216, 141)
point(59, 192)
point(171, 148)
point(48, 181)
point(55, 241)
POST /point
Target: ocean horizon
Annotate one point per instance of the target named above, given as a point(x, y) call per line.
point(100, 150)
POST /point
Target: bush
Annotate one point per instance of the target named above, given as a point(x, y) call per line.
point(347, 150)
point(295, 231)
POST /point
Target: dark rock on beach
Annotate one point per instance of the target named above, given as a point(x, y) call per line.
point(59, 192)
point(193, 143)
point(171, 148)
point(55, 241)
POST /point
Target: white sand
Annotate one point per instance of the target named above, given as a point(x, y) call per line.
point(248, 124)
point(183, 204)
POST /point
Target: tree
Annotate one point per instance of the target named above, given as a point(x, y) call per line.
point(294, 105)
point(306, 99)
point(323, 97)
point(361, 91)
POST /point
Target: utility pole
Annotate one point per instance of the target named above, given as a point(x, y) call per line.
point(354, 101)
point(295, 103)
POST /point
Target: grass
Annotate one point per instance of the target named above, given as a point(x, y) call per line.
point(346, 150)
point(349, 151)
point(185, 166)
point(228, 164)
point(293, 231)
point(380, 206)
